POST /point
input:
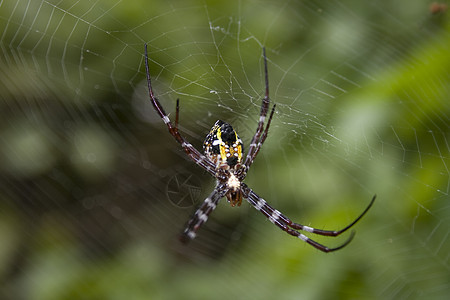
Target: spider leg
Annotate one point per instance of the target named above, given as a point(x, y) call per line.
point(264, 135)
point(328, 232)
point(202, 213)
point(177, 109)
point(257, 140)
point(193, 153)
point(285, 224)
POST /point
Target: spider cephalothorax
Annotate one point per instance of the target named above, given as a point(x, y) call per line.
point(223, 159)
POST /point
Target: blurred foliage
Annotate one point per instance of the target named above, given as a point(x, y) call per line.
point(87, 209)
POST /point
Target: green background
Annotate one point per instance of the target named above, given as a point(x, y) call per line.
point(94, 191)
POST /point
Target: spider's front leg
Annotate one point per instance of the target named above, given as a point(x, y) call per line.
point(285, 224)
point(202, 213)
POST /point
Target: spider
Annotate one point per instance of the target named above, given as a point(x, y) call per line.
point(223, 159)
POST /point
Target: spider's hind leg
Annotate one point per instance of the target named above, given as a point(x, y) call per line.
point(177, 113)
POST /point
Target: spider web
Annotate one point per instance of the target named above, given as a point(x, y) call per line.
point(94, 190)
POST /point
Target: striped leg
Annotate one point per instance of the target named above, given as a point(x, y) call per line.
point(202, 213)
point(328, 232)
point(257, 140)
point(285, 224)
point(193, 153)
point(263, 137)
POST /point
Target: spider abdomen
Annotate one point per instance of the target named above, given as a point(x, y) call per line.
point(222, 145)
